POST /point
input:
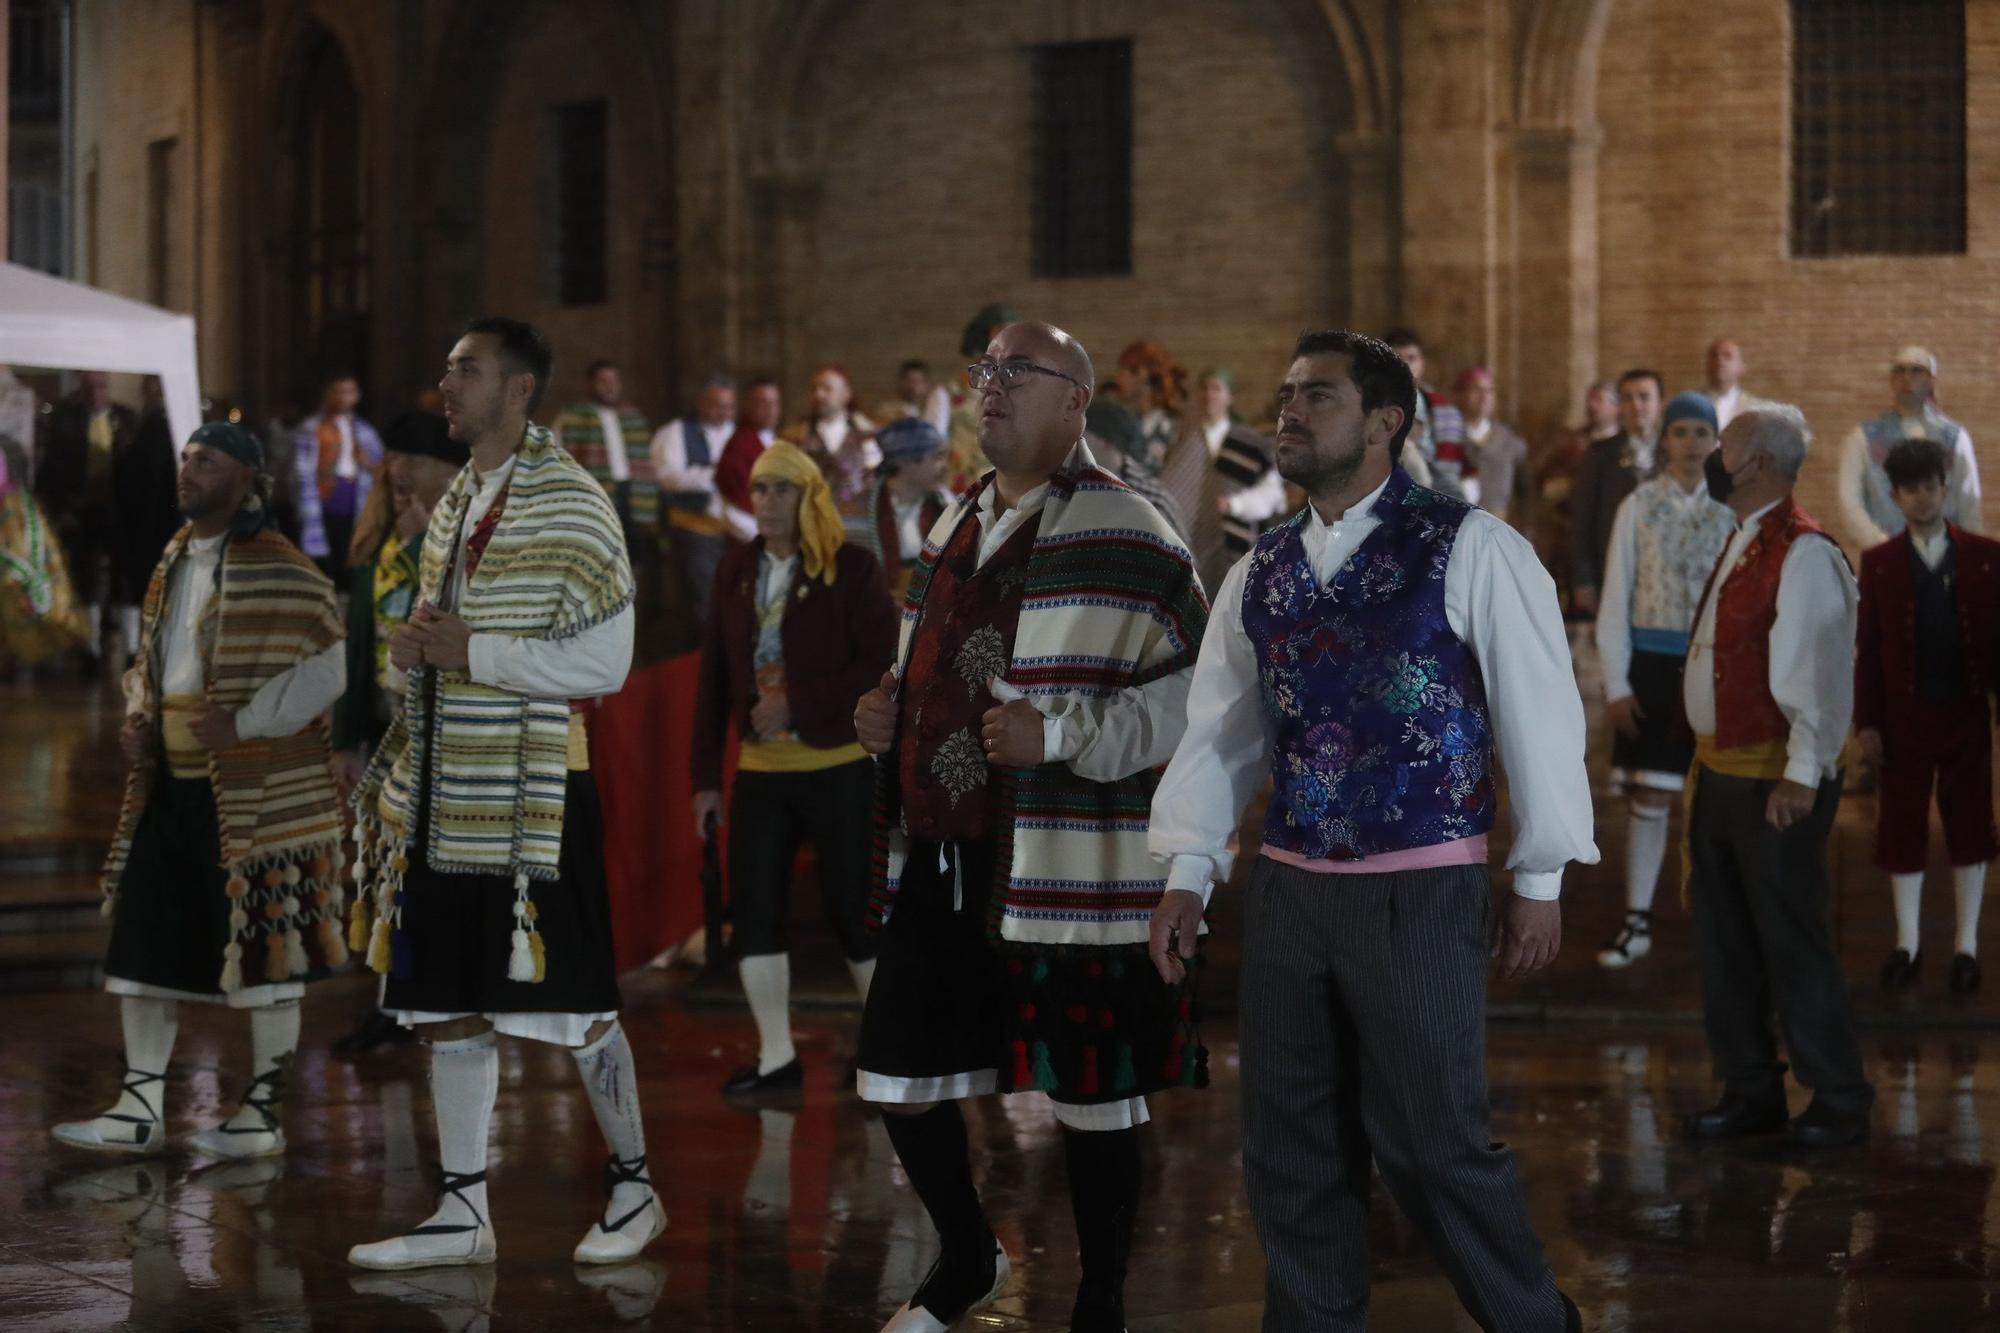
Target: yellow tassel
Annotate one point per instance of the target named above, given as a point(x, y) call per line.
point(330, 941)
point(541, 959)
point(295, 953)
point(357, 927)
point(276, 966)
point(232, 968)
point(378, 946)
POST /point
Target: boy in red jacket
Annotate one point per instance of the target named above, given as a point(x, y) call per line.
point(1923, 681)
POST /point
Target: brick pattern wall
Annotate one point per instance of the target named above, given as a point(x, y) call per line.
point(1694, 201)
point(924, 215)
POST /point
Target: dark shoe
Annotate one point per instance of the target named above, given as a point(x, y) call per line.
point(789, 1075)
point(378, 1029)
point(1900, 972)
point(1572, 1317)
point(1823, 1127)
point(1964, 975)
point(1733, 1118)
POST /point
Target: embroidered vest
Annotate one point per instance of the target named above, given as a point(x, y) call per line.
point(1940, 655)
point(1884, 433)
point(1746, 607)
point(964, 639)
point(1377, 708)
point(694, 443)
point(1677, 545)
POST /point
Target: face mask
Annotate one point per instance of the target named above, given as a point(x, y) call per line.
point(1721, 481)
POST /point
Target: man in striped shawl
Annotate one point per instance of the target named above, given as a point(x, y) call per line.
point(223, 883)
point(480, 841)
point(1048, 636)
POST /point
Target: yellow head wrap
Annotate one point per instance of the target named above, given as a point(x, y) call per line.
point(820, 532)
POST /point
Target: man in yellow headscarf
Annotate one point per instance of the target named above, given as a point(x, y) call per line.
point(799, 628)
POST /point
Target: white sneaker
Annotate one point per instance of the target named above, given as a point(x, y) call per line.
point(916, 1319)
point(614, 1241)
point(439, 1242)
point(136, 1132)
point(1633, 941)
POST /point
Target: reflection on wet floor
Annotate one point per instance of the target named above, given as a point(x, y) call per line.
point(792, 1214)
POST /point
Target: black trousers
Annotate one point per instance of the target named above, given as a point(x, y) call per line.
point(1760, 934)
point(770, 814)
point(1362, 1018)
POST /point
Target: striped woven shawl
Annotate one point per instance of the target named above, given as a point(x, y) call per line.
point(274, 798)
point(580, 430)
point(496, 761)
point(1111, 601)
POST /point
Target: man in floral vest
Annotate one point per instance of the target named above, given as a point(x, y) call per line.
point(1048, 636)
point(1769, 689)
point(1372, 657)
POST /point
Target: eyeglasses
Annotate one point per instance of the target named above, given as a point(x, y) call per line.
point(1011, 374)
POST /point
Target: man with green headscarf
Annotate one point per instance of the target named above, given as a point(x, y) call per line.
point(223, 884)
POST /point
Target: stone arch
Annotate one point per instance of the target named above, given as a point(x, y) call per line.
point(313, 254)
point(1558, 62)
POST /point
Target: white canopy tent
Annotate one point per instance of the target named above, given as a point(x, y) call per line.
point(60, 325)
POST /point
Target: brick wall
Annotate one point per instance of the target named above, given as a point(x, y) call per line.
point(924, 213)
point(1694, 204)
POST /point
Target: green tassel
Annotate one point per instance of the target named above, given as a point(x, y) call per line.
point(1124, 1077)
point(1115, 969)
point(1044, 1073)
point(1039, 972)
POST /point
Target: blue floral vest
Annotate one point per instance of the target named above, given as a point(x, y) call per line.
point(1377, 708)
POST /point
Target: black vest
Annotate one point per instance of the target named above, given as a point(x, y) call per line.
point(1940, 658)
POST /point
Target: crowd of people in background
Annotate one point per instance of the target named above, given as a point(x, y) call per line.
point(1391, 573)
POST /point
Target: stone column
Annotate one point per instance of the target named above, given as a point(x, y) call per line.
point(1373, 237)
point(1450, 198)
point(1555, 276)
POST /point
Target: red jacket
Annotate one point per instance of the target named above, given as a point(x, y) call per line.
point(838, 640)
point(1885, 663)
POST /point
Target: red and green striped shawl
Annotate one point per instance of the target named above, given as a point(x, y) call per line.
point(580, 431)
point(1111, 602)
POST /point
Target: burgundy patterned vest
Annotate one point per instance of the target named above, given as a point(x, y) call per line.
point(964, 638)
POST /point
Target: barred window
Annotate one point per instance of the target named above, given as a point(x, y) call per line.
point(577, 227)
point(1082, 138)
point(1878, 127)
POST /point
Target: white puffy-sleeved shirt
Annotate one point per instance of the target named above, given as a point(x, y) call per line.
point(1812, 652)
point(1502, 603)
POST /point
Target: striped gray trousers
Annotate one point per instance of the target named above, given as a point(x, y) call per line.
point(1363, 1037)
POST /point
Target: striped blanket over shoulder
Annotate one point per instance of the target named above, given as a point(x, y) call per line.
point(1111, 601)
point(274, 798)
point(496, 762)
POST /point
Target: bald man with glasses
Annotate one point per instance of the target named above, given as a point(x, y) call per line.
point(1049, 633)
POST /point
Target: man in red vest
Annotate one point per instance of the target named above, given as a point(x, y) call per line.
point(1923, 686)
point(1768, 691)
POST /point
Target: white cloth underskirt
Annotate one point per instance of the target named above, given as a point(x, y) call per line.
point(556, 1029)
point(250, 997)
point(896, 1091)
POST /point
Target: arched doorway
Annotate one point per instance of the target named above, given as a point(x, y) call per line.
point(320, 257)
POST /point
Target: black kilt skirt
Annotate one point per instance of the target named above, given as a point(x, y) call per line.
point(1663, 745)
point(459, 928)
point(171, 921)
point(1085, 1025)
